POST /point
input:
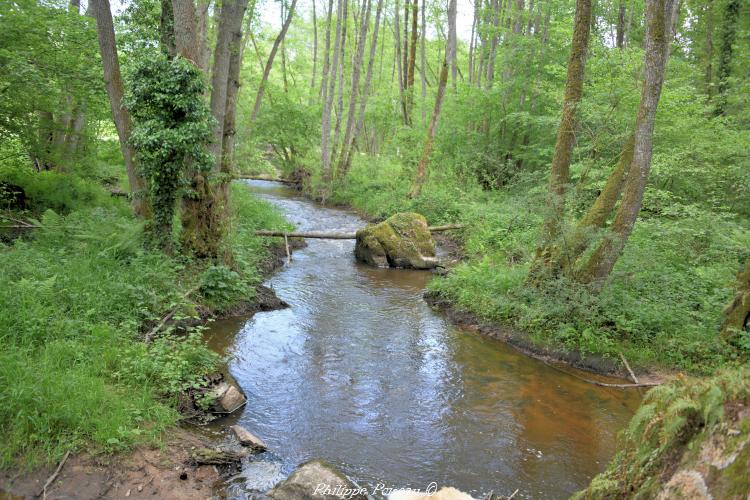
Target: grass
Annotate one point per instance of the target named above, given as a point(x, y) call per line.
point(661, 307)
point(77, 294)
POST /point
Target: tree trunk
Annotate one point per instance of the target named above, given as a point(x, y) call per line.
point(340, 100)
point(365, 93)
point(659, 15)
point(315, 53)
point(422, 64)
point(397, 56)
point(325, 139)
point(354, 94)
point(269, 63)
point(728, 34)
point(115, 90)
point(186, 36)
point(412, 59)
point(493, 44)
point(327, 59)
point(228, 36)
point(166, 29)
point(737, 313)
point(421, 175)
point(560, 169)
point(709, 48)
point(620, 38)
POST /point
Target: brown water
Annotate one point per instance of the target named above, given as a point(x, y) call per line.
point(361, 372)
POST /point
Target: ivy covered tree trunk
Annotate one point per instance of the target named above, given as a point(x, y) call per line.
point(737, 314)
point(202, 220)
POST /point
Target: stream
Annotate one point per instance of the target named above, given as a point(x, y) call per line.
point(361, 372)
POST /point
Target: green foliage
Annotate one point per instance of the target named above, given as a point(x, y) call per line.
point(686, 424)
point(220, 286)
point(172, 125)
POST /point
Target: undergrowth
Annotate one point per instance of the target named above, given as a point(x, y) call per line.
point(77, 295)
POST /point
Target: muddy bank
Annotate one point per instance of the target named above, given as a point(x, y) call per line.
point(598, 365)
point(162, 472)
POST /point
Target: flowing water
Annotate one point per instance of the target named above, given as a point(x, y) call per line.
point(361, 372)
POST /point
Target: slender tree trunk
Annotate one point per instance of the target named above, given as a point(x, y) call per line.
point(560, 169)
point(406, 45)
point(493, 44)
point(325, 150)
point(115, 90)
point(454, 55)
point(620, 38)
point(340, 100)
point(737, 313)
point(315, 53)
point(166, 29)
point(397, 55)
point(709, 48)
point(728, 34)
point(327, 58)
point(269, 63)
point(412, 58)
point(283, 55)
point(422, 64)
point(421, 175)
point(659, 15)
point(472, 41)
point(365, 93)
point(354, 94)
point(204, 54)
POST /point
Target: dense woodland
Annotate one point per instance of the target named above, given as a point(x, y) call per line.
point(596, 152)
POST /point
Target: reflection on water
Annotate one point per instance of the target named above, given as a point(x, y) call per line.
point(361, 372)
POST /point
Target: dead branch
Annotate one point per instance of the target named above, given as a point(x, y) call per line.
point(338, 236)
point(54, 475)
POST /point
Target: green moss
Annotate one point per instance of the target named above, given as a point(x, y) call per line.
point(687, 425)
point(402, 240)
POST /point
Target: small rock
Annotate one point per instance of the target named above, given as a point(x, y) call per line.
point(248, 439)
point(317, 480)
point(445, 493)
point(228, 397)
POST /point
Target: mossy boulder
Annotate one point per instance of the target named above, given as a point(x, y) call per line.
point(317, 480)
point(402, 240)
point(689, 439)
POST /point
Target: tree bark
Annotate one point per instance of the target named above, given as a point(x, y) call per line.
point(412, 58)
point(315, 52)
point(365, 93)
point(326, 61)
point(397, 56)
point(560, 169)
point(728, 35)
point(340, 100)
point(709, 49)
point(325, 139)
point(115, 90)
point(737, 313)
point(421, 175)
point(186, 36)
point(354, 94)
point(422, 64)
point(659, 15)
point(269, 63)
point(620, 37)
point(228, 37)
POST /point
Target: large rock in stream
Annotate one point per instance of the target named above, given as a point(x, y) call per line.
point(402, 240)
point(317, 480)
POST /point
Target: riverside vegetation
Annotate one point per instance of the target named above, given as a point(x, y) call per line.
point(595, 152)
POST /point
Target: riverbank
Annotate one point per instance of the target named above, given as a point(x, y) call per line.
point(660, 310)
point(81, 293)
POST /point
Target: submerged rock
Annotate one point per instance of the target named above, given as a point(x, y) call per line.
point(246, 438)
point(402, 240)
point(317, 480)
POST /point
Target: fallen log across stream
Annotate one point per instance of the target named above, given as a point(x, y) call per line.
point(324, 235)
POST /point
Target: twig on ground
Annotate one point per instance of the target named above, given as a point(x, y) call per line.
point(54, 475)
point(630, 370)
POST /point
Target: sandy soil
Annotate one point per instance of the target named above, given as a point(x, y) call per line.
point(163, 473)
